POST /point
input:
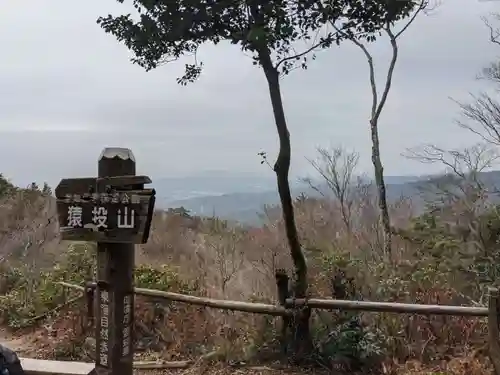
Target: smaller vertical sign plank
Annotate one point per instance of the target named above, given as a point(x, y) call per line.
point(127, 325)
point(104, 320)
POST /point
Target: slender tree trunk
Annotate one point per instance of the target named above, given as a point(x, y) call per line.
point(282, 168)
point(377, 107)
point(346, 215)
point(380, 183)
point(302, 338)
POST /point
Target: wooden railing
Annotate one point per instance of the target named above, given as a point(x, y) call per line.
point(491, 312)
point(325, 304)
point(286, 308)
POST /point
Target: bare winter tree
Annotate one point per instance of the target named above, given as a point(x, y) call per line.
point(378, 102)
point(228, 257)
point(482, 115)
point(468, 161)
point(461, 192)
point(336, 168)
point(461, 202)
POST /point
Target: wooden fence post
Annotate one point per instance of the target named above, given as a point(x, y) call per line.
point(493, 329)
point(282, 283)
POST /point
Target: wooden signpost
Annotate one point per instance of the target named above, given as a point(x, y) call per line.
point(115, 211)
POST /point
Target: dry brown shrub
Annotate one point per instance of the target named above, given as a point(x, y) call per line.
point(223, 262)
point(207, 251)
point(228, 262)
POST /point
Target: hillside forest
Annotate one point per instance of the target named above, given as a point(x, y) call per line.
point(437, 245)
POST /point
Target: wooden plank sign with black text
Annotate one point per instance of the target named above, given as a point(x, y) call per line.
point(112, 216)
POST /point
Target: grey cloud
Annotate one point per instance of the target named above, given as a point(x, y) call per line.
point(59, 70)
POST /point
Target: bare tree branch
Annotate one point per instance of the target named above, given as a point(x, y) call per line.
point(423, 6)
point(336, 168)
point(462, 194)
point(494, 31)
point(461, 162)
point(376, 110)
point(461, 181)
point(482, 117)
point(299, 55)
point(390, 73)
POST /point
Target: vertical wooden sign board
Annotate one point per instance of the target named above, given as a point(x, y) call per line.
point(116, 211)
point(115, 266)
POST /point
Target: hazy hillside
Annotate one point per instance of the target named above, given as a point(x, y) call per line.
point(245, 207)
point(245, 202)
point(211, 183)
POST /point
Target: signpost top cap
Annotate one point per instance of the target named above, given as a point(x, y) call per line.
point(117, 152)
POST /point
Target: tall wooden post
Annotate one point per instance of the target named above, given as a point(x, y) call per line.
point(115, 265)
point(493, 329)
point(115, 211)
point(282, 283)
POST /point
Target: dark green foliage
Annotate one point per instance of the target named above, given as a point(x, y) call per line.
point(441, 246)
point(26, 293)
point(342, 339)
point(6, 188)
point(181, 211)
point(166, 30)
point(46, 190)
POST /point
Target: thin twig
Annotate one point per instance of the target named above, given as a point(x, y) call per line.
point(55, 309)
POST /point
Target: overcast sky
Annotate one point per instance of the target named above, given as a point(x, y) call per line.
point(68, 90)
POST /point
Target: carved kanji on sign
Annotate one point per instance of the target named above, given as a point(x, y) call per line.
point(116, 214)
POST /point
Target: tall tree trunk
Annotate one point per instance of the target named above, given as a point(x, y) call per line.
point(377, 107)
point(380, 183)
point(302, 338)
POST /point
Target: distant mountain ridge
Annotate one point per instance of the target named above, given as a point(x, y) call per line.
point(242, 198)
point(212, 183)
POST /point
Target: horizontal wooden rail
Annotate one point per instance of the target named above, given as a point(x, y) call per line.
point(77, 368)
point(255, 308)
point(389, 307)
point(327, 304)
